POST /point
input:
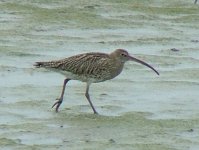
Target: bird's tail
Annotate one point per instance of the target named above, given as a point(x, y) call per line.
point(38, 64)
point(49, 64)
point(41, 64)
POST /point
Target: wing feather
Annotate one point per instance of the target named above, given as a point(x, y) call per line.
point(89, 63)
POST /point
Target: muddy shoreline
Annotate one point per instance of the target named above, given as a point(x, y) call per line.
point(138, 110)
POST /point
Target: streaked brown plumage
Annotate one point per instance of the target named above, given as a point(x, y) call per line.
point(90, 68)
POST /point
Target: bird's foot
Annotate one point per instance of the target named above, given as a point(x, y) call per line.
point(57, 103)
point(96, 113)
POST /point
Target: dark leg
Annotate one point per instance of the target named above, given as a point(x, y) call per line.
point(195, 1)
point(59, 100)
point(88, 98)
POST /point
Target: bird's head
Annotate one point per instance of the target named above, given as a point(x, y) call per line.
point(124, 56)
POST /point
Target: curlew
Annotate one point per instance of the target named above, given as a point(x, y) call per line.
point(90, 68)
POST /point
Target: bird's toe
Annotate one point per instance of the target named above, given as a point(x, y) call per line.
point(57, 104)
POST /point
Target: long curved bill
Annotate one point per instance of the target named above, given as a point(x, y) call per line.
point(143, 63)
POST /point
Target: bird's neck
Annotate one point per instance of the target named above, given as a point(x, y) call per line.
point(117, 67)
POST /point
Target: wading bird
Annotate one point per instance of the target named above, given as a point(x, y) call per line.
point(90, 68)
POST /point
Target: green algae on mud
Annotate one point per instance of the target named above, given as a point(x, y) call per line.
point(130, 130)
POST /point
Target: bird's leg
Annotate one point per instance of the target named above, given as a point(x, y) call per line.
point(88, 98)
point(59, 100)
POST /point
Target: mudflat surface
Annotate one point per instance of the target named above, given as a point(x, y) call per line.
point(138, 110)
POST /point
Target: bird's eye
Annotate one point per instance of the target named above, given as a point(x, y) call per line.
point(123, 55)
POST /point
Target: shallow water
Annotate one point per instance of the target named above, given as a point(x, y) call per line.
point(138, 109)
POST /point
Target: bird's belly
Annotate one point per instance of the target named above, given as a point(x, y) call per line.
point(83, 77)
